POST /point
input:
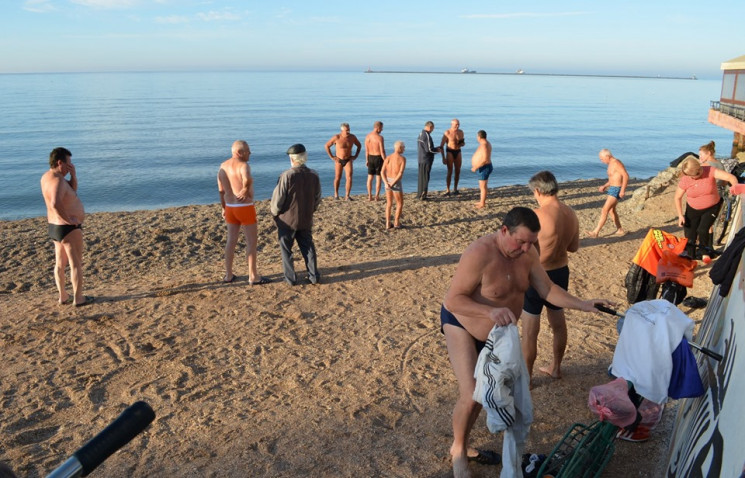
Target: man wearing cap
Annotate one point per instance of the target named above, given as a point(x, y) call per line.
point(294, 200)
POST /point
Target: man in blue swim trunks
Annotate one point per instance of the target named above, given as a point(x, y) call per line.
point(65, 215)
point(488, 289)
point(618, 178)
point(559, 235)
point(481, 165)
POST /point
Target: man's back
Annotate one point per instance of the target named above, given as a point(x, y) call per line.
point(374, 144)
point(234, 175)
point(559, 234)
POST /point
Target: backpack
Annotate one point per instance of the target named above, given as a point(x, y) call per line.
point(640, 285)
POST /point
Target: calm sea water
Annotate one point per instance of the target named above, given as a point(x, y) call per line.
point(153, 140)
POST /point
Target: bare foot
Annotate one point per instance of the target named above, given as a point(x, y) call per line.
point(592, 234)
point(549, 371)
point(388, 226)
point(460, 467)
point(478, 205)
point(377, 198)
point(619, 232)
point(369, 198)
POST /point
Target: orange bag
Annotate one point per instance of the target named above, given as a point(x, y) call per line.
point(653, 246)
point(672, 267)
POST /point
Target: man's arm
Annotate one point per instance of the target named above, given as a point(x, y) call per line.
point(443, 142)
point(330, 143)
point(247, 183)
point(73, 181)
point(279, 196)
point(356, 142)
point(624, 179)
point(318, 193)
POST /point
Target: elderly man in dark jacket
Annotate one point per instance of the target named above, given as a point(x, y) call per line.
point(296, 197)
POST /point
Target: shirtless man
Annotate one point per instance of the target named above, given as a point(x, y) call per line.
point(559, 234)
point(392, 172)
point(488, 289)
point(481, 165)
point(618, 178)
point(374, 157)
point(236, 187)
point(343, 157)
point(65, 215)
point(455, 140)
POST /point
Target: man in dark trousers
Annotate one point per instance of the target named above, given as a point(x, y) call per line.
point(426, 156)
point(294, 200)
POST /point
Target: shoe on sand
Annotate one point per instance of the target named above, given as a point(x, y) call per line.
point(87, 300)
point(486, 457)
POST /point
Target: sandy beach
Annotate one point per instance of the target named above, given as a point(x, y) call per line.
point(346, 378)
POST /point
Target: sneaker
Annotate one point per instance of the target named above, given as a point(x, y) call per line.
point(640, 434)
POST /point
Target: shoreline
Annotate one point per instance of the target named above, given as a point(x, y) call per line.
point(349, 377)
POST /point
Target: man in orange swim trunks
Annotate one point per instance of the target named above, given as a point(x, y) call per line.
point(236, 188)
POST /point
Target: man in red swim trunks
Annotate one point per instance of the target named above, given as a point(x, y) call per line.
point(65, 215)
point(236, 188)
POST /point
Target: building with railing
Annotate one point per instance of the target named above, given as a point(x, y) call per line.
point(709, 432)
point(729, 111)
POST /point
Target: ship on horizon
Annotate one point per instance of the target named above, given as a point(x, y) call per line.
point(466, 70)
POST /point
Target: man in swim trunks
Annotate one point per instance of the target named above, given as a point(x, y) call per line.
point(343, 158)
point(618, 178)
point(392, 172)
point(487, 289)
point(65, 215)
point(481, 165)
point(559, 235)
point(374, 157)
point(455, 140)
point(236, 187)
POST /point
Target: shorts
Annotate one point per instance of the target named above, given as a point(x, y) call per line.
point(614, 191)
point(533, 303)
point(243, 214)
point(485, 171)
point(397, 187)
point(374, 164)
point(58, 231)
point(446, 317)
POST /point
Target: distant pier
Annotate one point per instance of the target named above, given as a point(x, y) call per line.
point(522, 73)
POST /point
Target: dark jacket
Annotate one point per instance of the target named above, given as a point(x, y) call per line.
point(296, 197)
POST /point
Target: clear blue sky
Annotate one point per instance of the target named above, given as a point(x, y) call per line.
point(545, 36)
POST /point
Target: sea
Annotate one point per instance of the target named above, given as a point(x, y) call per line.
point(150, 140)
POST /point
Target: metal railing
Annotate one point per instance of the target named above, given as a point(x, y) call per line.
point(729, 110)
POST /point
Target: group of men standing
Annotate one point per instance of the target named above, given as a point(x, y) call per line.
point(510, 274)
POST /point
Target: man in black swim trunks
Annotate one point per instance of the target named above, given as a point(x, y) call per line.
point(451, 156)
point(374, 157)
point(487, 290)
point(65, 215)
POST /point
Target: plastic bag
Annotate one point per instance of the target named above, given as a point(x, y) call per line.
point(611, 403)
point(673, 267)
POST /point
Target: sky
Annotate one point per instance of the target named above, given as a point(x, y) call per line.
point(647, 37)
